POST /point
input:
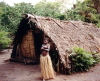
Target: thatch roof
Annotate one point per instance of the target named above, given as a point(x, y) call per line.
point(67, 34)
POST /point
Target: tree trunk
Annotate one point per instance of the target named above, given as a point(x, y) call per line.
point(97, 5)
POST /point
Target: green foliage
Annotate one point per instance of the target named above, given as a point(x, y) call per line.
point(81, 60)
point(4, 40)
point(22, 8)
point(84, 11)
point(74, 15)
point(51, 9)
point(11, 16)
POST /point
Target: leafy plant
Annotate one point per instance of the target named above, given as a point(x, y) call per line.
point(81, 60)
point(4, 40)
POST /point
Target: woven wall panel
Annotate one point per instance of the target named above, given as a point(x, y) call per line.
point(27, 45)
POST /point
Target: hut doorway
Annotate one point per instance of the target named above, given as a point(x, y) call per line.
point(38, 40)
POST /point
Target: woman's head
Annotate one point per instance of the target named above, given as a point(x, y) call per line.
point(46, 40)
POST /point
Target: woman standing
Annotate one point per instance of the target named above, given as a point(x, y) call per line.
point(47, 71)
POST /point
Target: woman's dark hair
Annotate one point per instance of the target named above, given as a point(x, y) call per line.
point(47, 38)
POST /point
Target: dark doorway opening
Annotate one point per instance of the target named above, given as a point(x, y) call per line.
point(38, 41)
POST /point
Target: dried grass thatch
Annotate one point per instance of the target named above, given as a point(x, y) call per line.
point(67, 34)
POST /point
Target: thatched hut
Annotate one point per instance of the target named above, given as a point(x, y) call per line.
point(63, 36)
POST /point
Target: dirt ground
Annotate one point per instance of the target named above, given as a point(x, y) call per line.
point(10, 71)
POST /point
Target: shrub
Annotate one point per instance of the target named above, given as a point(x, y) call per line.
point(81, 60)
point(4, 40)
point(96, 57)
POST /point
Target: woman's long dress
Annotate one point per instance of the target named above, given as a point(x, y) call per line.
point(47, 70)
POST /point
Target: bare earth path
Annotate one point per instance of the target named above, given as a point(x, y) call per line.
point(10, 71)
